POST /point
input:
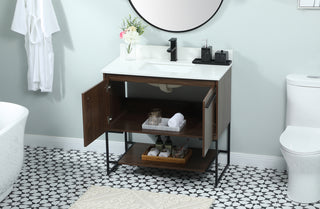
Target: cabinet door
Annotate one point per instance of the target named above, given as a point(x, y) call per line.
point(208, 118)
point(94, 112)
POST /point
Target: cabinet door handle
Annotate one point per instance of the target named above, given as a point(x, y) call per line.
point(108, 88)
point(213, 97)
point(109, 119)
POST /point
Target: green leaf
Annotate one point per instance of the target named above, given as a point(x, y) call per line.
point(130, 21)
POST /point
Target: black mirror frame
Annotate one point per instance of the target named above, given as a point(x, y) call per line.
point(182, 31)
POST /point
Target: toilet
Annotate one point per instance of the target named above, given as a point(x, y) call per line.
point(300, 142)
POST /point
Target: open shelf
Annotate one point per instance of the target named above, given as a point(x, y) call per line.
point(196, 163)
point(135, 112)
point(132, 122)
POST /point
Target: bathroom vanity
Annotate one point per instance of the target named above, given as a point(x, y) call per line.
point(108, 108)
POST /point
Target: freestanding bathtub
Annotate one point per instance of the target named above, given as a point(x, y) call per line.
point(12, 124)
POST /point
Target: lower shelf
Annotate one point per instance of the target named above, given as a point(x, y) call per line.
point(196, 162)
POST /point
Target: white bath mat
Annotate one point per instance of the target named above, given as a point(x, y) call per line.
point(98, 197)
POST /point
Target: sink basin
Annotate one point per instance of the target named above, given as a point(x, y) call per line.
point(167, 67)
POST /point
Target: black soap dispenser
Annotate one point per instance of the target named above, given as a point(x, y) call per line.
point(206, 53)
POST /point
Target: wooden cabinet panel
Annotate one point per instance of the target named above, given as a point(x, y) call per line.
point(224, 103)
point(116, 101)
point(94, 112)
point(208, 129)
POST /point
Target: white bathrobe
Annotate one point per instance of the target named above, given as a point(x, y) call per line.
point(36, 20)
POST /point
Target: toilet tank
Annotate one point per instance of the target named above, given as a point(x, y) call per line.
point(303, 100)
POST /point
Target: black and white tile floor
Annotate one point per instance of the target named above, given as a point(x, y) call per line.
point(53, 178)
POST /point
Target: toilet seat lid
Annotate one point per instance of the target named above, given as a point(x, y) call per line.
point(301, 140)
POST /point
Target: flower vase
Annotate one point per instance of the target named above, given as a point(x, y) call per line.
point(130, 52)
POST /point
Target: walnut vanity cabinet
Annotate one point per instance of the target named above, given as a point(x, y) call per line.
point(107, 109)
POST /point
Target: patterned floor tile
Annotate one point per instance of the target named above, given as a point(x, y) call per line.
point(54, 178)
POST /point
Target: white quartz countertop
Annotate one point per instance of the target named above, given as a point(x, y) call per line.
point(163, 68)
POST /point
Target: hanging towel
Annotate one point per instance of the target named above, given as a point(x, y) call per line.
point(36, 20)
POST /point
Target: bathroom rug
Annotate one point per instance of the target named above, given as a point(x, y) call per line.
point(100, 197)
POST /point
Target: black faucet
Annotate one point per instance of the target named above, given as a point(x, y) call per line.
point(173, 49)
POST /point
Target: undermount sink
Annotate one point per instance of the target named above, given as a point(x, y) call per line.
point(164, 67)
point(167, 67)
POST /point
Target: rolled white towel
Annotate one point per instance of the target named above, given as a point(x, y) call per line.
point(175, 120)
point(164, 154)
point(153, 152)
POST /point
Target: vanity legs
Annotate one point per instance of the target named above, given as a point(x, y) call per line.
point(108, 161)
point(126, 141)
point(107, 152)
point(216, 171)
point(228, 145)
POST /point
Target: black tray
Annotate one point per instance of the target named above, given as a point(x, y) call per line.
point(211, 62)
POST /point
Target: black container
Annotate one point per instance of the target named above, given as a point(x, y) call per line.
point(206, 54)
point(221, 57)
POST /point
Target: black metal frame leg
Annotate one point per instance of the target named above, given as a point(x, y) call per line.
point(109, 170)
point(228, 143)
point(107, 152)
point(108, 161)
point(216, 171)
point(126, 141)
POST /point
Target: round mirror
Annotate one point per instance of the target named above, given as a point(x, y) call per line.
point(176, 15)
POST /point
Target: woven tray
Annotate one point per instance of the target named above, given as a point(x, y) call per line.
point(184, 160)
point(163, 126)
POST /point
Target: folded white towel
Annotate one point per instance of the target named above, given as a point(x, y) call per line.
point(164, 154)
point(153, 152)
point(176, 120)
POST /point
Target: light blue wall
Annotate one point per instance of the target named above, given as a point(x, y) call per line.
point(270, 39)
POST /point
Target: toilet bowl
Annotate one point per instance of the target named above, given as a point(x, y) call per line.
point(300, 147)
point(300, 142)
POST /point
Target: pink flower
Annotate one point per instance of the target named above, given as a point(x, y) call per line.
point(122, 33)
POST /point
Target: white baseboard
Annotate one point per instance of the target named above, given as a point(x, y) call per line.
point(68, 143)
point(260, 161)
point(117, 147)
